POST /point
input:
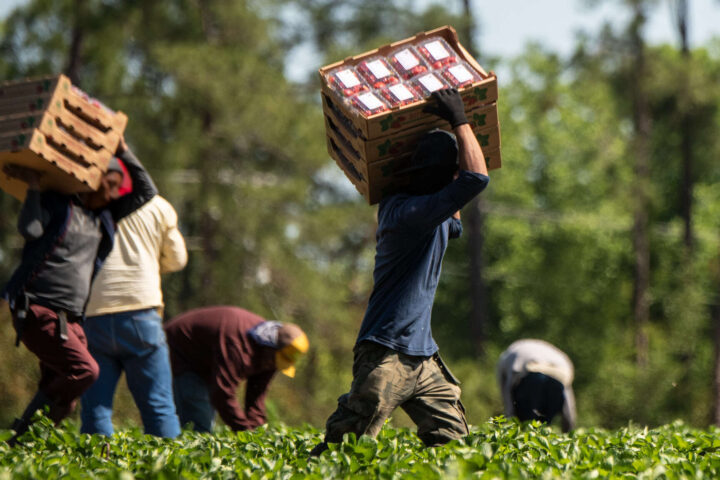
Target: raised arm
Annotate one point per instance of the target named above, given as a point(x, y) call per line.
point(431, 210)
point(449, 106)
point(143, 186)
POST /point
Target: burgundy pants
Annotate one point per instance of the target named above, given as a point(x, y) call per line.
point(66, 367)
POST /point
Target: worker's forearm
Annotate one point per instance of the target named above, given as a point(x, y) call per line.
point(470, 153)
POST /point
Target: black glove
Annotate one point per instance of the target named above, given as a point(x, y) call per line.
point(449, 106)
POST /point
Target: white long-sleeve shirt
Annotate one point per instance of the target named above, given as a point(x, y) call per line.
point(148, 243)
point(531, 355)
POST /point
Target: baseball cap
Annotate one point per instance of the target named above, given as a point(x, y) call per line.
point(292, 344)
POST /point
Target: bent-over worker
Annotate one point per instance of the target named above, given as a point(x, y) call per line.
point(213, 349)
point(536, 382)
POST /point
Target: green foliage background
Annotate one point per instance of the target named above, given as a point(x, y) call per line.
point(273, 226)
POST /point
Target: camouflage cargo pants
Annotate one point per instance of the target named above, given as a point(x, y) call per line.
point(384, 379)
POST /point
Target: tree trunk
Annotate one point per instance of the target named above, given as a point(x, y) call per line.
point(474, 223)
point(74, 63)
point(641, 241)
point(716, 377)
point(686, 129)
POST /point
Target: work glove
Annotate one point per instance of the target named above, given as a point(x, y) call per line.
point(449, 106)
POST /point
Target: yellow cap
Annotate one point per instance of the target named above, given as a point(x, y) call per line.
point(286, 357)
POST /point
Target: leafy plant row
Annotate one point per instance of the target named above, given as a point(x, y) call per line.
point(498, 449)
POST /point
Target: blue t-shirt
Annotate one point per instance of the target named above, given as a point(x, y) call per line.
point(412, 236)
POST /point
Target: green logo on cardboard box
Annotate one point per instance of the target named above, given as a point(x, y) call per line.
point(479, 120)
point(384, 148)
point(386, 123)
point(480, 93)
point(391, 122)
point(483, 140)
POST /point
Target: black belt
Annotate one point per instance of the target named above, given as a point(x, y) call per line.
point(63, 319)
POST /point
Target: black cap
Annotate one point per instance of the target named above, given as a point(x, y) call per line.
point(433, 163)
point(437, 149)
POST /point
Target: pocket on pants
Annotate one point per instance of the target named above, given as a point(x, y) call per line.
point(148, 330)
point(445, 370)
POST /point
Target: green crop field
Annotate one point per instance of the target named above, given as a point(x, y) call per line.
point(498, 449)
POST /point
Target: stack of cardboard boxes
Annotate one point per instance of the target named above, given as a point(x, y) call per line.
point(49, 125)
point(374, 149)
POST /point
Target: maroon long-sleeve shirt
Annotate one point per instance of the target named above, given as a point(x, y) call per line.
point(213, 343)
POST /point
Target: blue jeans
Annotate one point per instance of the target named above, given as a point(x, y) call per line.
point(133, 342)
point(192, 399)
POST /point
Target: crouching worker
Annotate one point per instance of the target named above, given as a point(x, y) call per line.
point(536, 382)
point(67, 238)
point(213, 349)
point(396, 361)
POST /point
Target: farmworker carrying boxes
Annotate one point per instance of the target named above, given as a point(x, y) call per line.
point(374, 107)
point(396, 361)
point(213, 349)
point(535, 380)
point(67, 238)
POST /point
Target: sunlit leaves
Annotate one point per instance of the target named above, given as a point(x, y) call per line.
point(498, 449)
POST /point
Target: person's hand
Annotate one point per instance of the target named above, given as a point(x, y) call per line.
point(449, 106)
point(24, 174)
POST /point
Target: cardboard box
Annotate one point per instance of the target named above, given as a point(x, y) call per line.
point(49, 125)
point(399, 118)
point(378, 179)
point(60, 173)
point(365, 147)
point(48, 121)
point(483, 120)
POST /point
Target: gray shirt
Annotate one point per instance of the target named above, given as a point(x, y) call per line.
point(64, 281)
point(531, 355)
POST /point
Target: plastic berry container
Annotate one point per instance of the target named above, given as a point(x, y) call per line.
point(377, 72)
point(368, 103)
point(400, 94)
point(437, 52)
point(424, 85)
point(460, 75)
point(407, 62)
point(346, 81)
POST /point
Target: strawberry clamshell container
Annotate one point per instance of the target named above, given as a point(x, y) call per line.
point(367, 103)
point(400, 94)
point(377, 72)
point(346, 82)
point(437, 52)
point(407, 62)
point(460, 75)
point(424, 85)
